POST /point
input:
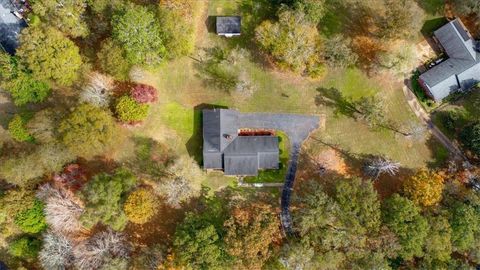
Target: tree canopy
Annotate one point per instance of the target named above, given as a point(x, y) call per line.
point(87, 130)
point(103, 196)
point(137, 30)
point(404, 219)
point(424, 188)
point(67, 16)
point(293, 41)
point(49, 55)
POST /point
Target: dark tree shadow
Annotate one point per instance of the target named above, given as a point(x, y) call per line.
point(194, 145)
point(439, 152)
point(97, 165)
point(385, 184)
point(333, 98)
point(432, 6)
point(431, 25)
point(211, 24)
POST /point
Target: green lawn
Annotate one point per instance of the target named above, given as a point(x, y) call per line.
point(175, 120)
point(275, 176)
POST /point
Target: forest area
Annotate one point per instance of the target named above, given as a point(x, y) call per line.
point(100, 138)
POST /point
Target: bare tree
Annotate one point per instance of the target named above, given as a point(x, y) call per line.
point(378, 166)
point(43, 124)
point(56, 253)
point(101, 248)
point(184, 182)
point(98, 91)
point(62, 212)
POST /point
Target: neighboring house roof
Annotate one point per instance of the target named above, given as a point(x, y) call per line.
point(228, 25)
point(460, 48)
point(236, 155)
point(10, 27)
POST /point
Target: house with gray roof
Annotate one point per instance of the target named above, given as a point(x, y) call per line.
point(226, 148)
point(228, 26)
point(10, 26)
point(462, 68)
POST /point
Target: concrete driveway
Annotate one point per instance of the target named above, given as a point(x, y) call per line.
point(297, 127)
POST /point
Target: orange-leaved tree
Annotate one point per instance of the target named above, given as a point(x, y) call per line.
point(425, 187)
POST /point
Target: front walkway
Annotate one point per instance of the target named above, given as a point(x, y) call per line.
point(418, 110)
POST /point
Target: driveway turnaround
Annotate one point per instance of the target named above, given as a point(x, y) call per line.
point(297, 127)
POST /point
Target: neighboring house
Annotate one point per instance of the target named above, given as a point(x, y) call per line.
point(226, 148)
point(10, 26)
point(462, 68)
point(228, 26)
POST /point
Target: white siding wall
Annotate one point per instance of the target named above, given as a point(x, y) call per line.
point(444, 88)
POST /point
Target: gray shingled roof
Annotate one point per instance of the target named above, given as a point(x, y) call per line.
point(248, 145)
point(237, 155)
point(229, 25)
point(460, 49)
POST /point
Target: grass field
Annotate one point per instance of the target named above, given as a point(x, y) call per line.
point(175, 120)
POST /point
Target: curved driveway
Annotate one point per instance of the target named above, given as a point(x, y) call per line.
point(297, 127)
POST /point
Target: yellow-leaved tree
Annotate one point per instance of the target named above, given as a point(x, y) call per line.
point(141, 206)
point(424, 188)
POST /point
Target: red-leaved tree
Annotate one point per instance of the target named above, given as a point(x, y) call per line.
point(143, 93)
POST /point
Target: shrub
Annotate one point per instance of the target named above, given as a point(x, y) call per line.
point(88, 130)
point(32, 220)
point(141, 206)
point(25, 247)
point(143, 93)
point(17, 129)
point(129, 110)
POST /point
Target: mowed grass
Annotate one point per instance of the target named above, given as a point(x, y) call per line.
point(176, 119)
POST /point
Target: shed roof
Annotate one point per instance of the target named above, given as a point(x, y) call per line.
point(228, 24)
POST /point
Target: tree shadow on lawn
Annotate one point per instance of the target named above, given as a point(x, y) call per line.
point(385, 184)
point(194, 145)
point(429, 27)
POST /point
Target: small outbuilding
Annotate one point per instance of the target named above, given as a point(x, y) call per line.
point(228, 26)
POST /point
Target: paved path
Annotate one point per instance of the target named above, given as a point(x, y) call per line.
point(434, 130)
point(298, 128)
